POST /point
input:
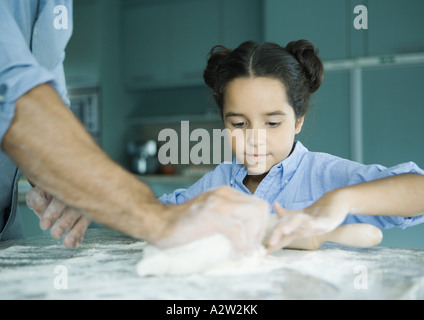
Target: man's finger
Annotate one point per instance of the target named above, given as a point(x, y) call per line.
point(52, 213)
point(66, 222)
point(75, 236)
point(37, 200)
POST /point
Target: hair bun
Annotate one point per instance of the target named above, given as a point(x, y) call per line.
point(216, 56)
point(307, 55)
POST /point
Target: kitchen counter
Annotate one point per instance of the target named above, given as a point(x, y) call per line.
point(104, 267)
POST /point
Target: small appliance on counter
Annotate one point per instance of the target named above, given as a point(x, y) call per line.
point(143, 156)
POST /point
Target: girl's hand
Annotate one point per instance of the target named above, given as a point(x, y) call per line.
point(323, 216)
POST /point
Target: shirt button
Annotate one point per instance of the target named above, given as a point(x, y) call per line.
point(35, 31)
point(1, 97)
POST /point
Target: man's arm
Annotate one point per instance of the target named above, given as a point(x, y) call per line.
point(56, 153)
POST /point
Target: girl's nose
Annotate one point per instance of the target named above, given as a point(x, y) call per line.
point(255, 137)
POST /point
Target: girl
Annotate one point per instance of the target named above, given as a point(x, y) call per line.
point(263, 91)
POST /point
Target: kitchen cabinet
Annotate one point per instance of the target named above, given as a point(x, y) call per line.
point(166, 43)
point(393, 112)
point(327, 124)
point(82, 64)
point(395, 26)
point(321, 22)
point(194, 28)
point(145, 43)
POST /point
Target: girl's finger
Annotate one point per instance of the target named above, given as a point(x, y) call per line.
point(281, 212)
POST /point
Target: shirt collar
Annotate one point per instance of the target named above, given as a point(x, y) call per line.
point(290, 164)
point(287, 167)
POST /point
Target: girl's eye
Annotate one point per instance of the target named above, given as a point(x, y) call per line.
point(273, 124)
point(238, 124)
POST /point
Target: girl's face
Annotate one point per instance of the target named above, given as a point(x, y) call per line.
point(262, 123)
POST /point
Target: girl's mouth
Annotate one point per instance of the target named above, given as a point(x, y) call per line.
point(256, 155)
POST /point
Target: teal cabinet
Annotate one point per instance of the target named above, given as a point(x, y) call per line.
point(241, 20)
point(82, 64)
point(194, 28)
point(166, 43)
point(395, 26)
point(321, 22)
point(327, 124)
point(393, 113)
point(145, 43)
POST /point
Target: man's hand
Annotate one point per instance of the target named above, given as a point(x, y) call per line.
point(240, 217)
point(60, 218)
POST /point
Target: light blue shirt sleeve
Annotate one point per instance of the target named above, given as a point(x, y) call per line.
point(32, 51)
point(220, 176)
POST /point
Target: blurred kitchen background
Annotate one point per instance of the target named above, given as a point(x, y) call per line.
point(134, 67)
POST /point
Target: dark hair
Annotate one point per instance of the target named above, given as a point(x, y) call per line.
point(297, 66)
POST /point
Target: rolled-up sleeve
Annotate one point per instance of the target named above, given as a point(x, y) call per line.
point(19, 69)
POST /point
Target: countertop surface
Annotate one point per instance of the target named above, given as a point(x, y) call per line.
point(104, 267)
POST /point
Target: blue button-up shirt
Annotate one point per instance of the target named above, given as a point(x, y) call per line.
point(33, 37)
point(300, 180)
point(32, 47)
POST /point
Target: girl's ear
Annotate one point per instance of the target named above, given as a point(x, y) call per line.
point(299, 124)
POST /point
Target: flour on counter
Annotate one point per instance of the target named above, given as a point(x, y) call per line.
point(215, 255)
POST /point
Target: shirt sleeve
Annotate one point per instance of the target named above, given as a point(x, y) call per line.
point(19, 70)
point(180, 196)
point(220, 176)
point(374, 172)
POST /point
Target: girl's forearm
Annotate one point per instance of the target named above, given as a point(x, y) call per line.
point(401, 195)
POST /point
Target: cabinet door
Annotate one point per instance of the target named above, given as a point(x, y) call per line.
point(145, 41)
point(393, 113)
point(327, 127)
point(82, 64)
point(395, 26)
point(194, 30)
point(321, 22)
point(241, 21)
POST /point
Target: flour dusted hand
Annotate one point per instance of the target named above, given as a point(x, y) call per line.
point(239, 217)
point(58, 217)
point(322, 217)
point(310, 228)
